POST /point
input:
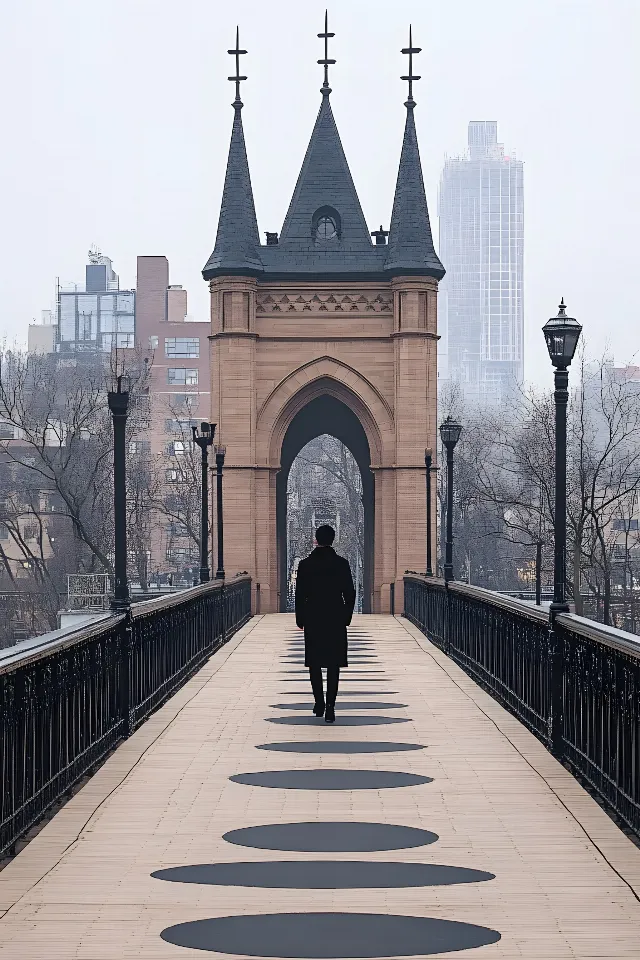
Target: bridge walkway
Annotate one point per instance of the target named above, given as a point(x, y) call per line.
point(452, 828)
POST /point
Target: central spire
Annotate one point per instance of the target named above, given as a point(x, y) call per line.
point(325, 89)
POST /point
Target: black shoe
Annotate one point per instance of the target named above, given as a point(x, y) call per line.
point(318, 709)
point(330, 714)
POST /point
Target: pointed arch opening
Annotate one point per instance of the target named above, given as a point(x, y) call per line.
point(325, 414)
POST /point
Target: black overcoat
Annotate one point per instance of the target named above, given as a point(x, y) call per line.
point(325, 597)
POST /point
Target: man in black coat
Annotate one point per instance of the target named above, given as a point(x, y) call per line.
point(325, 597)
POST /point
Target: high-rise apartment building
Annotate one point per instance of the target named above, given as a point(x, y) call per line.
point(481, 210)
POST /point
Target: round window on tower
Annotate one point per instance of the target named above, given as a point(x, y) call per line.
point(326, 229)
point(325, 224)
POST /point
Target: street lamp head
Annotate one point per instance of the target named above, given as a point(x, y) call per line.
point(207, 431)
point(118, 388)
point(118, 383)
point(450, 432)
point(562, 334)
point(428, 453)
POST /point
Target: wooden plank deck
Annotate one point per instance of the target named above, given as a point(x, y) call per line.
point(554, 877)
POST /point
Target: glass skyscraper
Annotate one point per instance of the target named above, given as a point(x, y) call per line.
point(481, 211)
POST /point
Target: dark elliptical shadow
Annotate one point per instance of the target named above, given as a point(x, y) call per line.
point(352, 679)
point(344, 705)
point(352, 671)
point(328, 936)
point(326, 837)
point(339, 746)
point(322, 874)
point(347, 720)
point(341, 693)
point(326, 779)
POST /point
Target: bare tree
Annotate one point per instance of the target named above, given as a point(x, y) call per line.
point(58, 445)
point(325, 483)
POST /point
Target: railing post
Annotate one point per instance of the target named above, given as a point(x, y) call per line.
point(223, 607)
point(126, 657)
point(446, 631)
point(555, 652)
point(392, 597)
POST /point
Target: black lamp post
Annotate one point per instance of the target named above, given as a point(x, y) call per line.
point(118, 399)
point(220, 452)
point(561, 334)
point(204, 439)
point(449, 434)
point(427, 463)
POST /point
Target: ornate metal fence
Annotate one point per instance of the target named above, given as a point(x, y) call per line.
point(576, 686)
point(65, 702)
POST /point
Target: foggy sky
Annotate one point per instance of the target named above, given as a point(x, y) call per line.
point(116, 120)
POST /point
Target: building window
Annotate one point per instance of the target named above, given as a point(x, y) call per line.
point(174, 476)
point(326, 229)
point(177, 529)
point(153, 342)
point(178, 448)
point(185, 402)
point(4, 531)
point(179, 554)
point(182, 376)
point(325, 224)
point(180, 426)
point(139, 446)
point(7, 430)
point(179, 347)
point(622, 525)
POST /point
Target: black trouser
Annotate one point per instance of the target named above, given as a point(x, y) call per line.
point(333, 677)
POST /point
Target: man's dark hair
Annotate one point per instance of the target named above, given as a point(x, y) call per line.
point(325, 535)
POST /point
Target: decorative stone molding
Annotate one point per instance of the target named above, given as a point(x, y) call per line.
point(355, 302)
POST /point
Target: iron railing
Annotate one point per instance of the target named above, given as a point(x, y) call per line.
point(576, 686)
point(67, 699)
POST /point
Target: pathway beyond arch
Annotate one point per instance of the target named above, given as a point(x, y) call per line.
point(233, 823)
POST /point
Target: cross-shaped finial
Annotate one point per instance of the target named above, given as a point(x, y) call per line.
point(237, 54)
point(410, 50)
point(325, 89)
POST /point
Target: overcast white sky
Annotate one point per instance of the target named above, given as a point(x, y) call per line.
point(116, 123)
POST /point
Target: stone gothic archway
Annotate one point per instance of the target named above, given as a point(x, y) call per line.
point(378, 368)
point(312, 314)
point(326, 414)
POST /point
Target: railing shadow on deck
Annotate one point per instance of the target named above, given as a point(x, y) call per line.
point(576, 686)
point(66, 699)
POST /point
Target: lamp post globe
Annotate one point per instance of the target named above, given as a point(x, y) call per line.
point(561, 334)
point(450, 431)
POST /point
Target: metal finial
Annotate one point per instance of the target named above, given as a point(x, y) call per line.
point(410, 50)
point(325, 89)
point(562, 309)
point(237, 53)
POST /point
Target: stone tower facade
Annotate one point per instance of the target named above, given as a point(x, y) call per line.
point(322, 330)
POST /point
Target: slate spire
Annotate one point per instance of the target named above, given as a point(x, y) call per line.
point(325, 182)
point(237, 242)
point(411, 249)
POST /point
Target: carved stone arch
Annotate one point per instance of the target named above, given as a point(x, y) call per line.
point(324, 376)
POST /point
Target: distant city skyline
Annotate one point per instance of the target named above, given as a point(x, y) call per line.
point(133, 158)
point(481, 218)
